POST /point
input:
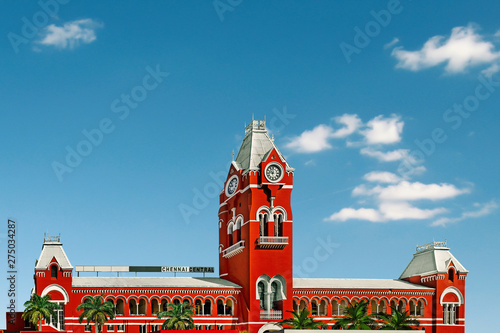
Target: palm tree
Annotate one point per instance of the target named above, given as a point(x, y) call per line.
point(398, 320)
point(356, 317)
point(179, 316)
point(97, 311)
point(301, 320)
point(39, 308)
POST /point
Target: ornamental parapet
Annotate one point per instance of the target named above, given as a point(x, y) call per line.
point(362, 292)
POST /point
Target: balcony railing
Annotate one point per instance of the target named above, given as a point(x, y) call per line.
point(271, 314)
point(234, 249)
point(272, 242)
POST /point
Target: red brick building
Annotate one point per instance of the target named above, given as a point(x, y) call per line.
point(255, 287)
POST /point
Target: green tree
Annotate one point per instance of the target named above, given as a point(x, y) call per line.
point(39, 308)
point(398, 320)
point(179, 316)
point(302, 320)
point(97, 311)
point(356, 317)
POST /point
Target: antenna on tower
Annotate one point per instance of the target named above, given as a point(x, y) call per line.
point(252, 117)
point(233, 155)
point(264, 117)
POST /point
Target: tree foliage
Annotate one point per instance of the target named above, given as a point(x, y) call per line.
point(96, 311)
point(39, 308)
point(179, 316)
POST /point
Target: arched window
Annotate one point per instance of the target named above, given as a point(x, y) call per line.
point(383, 306)
point(295, 306)
point(155, 307)
point(374, 306)
point(261, 290)
point(120, 307)
point(53, 271)
point(420, 308)
point(164, 305)
point(303, 305)
point(230, 234)
point(207, 308)
point(220, 307)
point(314, 307)
point(451, 274)
point(198, 308)
point(229, 308)
point(278, 224)
point(413, 308)
point(335, 308)
point(142, 307)
point(238, 230)
point(401, 306)
point(343, 306)
point(394, 305)
point(132, 307)
point(275, 294)
point(177, 301)
point(322, 308)
point(263, 218)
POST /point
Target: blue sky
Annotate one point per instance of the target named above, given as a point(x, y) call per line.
point(119, 120)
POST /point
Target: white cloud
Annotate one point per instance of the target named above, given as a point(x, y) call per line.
point(345, 214)
point(417, 191)
point(71, 34)
point(382, 177)
point(483, 210)
point(393, 42)
point(390, 156)
point(463, 49)
point(351, 122)
point(394, 200)
point(491, 70)
point(403, 210)
point(383, 130)
point(312, 141)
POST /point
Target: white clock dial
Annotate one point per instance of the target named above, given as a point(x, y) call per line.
point(273, 172)
point(232, 185)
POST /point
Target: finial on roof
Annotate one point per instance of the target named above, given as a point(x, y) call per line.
point(272, 138)
point(252, 117)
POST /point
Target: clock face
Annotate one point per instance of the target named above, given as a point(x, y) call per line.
point(273, 172)
point(232, 185)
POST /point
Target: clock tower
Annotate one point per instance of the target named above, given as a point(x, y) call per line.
point(255, 229)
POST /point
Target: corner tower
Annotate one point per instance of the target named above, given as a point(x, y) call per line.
point(255, 228)
point(434, 266)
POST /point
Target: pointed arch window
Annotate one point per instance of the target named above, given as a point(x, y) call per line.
point(261, 290)
point(278, 225)
point(53, 271)
point(451, 275)
point(264, 218)
point(238, 230)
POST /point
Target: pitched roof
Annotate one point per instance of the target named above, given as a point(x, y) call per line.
point(52, 250)
point(153, 282)
point(255, 147)
point(356, 284)
point(434, 259)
